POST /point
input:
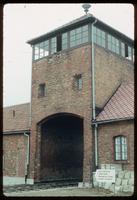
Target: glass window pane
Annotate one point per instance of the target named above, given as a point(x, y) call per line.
point(117, 140)
point(117, 156)
point(113, 44)
point(72, 38)
point(53, 45)
point(122, 49)
point(36, 57)
point(64, 41)
point(120, 148)
point(78, 30)
point(94, 30)
point(103, 43)
point(84, 39)
point(109, 46)
point(109, 38)
point(80, 83)
point(103, 34)
point(129, 53)
point(64, 35)
point(85, 34)
point(99, 37)
point(85, 28)
point(64, 46)
point(79, 36)
point(46, 43)
point(72, 32)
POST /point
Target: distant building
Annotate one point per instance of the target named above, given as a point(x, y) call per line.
point(63, 144)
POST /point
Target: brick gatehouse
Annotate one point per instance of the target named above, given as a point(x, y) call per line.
point(53, 137)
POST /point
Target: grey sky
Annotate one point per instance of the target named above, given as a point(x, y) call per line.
point(23, 22)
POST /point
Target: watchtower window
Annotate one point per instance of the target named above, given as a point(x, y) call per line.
point(53, 45)
point(79, 36)
point(113, 44)
point(41, 50)
point(42, 90)
point(99, 37)
point(64, 40)
point(122, 49)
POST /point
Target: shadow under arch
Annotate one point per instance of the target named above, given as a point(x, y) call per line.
point(55, 115)
point(61, 147)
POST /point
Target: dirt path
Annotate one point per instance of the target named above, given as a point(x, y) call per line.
point(68, 191)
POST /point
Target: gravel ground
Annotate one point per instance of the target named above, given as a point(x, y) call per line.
point(65, 191)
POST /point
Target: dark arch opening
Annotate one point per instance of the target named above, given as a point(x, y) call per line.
point(62, 148)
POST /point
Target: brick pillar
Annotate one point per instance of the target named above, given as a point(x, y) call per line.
point(32, 152)
point(35, 147)
point(37, 167)
point(87, 165)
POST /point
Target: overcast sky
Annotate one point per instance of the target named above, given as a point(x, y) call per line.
point(23, 22)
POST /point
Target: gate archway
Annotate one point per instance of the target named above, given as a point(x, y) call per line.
point(62, 147)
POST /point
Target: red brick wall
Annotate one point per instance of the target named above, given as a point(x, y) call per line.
point(57, 72)
point(110, 70)
point(106, 134)
point(14, 150)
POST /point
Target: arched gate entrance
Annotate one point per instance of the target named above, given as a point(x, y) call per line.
point(62, 147)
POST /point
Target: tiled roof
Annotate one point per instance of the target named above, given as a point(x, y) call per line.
point(16, 118)
point(120, 105)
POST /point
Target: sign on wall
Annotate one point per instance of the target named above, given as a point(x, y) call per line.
point(105, 175)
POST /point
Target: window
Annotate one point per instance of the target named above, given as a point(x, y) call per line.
point(41, 90)
point(128, 52)
point(44, 48)
point(78, 81)
point(13, 113)
point(41, 50)
point(120, 143)
point(53, 45)
point(64, 40)
point(99, 37)
point(79, 36)
point(113, 44)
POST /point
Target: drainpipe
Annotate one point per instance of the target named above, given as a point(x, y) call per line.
point(27, 162)
point(93, 95)
point(96, 145)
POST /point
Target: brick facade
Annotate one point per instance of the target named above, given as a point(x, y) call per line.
point(14, 155)
point(62, 98)
point(58, 72)
point(16, 122)
point(111, 70)
point(106, 134)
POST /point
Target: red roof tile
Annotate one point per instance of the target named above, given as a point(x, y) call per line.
point(120, 105)
point(16, 118)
